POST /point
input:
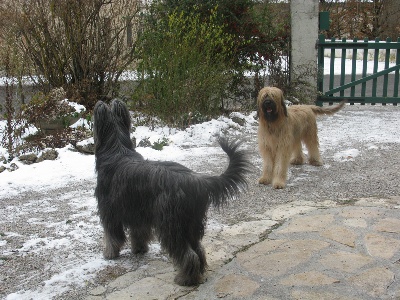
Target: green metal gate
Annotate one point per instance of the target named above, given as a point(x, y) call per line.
point(378, 81)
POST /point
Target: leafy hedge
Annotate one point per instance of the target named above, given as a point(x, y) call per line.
point(185, 67)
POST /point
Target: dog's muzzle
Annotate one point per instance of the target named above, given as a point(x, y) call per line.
point(268, 107)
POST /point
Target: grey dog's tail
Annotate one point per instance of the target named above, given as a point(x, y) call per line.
point(233, 180)
point(328, 110)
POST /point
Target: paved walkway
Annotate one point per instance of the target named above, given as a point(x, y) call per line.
point(296, 251)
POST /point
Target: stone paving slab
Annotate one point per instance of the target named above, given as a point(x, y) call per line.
point(297, 251)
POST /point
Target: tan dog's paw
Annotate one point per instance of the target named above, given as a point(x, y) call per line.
point(264, 180)
point(278, 184)
point(315, 162)
point(297, 161)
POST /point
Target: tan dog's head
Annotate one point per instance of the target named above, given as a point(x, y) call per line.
point(270, 103)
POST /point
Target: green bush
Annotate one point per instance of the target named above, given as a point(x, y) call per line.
point(184, 67)
point(160, 143)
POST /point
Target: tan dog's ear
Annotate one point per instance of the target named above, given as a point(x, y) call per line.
point(283, 103)
point(284, 107)
point(261, 95)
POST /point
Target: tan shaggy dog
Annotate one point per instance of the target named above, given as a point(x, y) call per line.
point(281, 132)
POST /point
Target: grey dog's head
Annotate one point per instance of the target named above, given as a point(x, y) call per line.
point(102, 122)
point(271, 104)
point(121, 115)
point(111, 125)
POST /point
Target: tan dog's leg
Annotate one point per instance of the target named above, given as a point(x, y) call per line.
point(268, 165)
point(312, 144)
point(280, 170)
point(298, 156)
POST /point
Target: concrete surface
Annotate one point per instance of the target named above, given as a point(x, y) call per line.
point(293, 251)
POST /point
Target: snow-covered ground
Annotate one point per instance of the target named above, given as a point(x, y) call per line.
point(60, 234)
point(74, 240)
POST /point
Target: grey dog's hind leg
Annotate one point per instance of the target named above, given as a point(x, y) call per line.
point(189, 269)
point(202, 257)
point(193, 264)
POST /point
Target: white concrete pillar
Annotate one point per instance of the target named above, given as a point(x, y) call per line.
point(304, 28)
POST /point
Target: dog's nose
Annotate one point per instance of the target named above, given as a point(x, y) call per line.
point(267, 102)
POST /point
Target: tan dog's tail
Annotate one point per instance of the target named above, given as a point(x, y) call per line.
point(328, 110)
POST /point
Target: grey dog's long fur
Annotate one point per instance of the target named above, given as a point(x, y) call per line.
point(161, 197)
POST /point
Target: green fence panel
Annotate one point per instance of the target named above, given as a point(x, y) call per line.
point(359, 88)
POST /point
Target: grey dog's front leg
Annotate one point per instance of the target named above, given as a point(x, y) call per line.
point(113, 241)
point(140, 238)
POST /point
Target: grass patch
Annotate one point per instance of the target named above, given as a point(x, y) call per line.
point(347, 202)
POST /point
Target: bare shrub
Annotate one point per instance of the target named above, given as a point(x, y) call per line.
point(78, 45)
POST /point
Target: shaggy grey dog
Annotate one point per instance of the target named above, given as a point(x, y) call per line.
point(161, 198)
